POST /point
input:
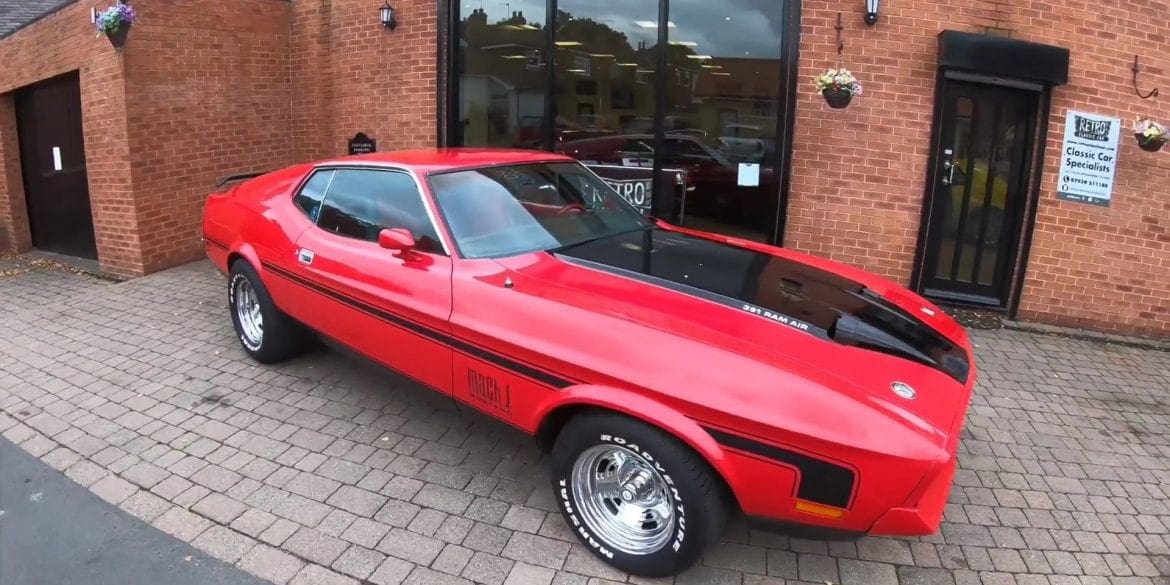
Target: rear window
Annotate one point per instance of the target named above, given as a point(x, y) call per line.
point(310, 196)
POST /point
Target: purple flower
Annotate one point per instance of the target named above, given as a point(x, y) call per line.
point(114, 18)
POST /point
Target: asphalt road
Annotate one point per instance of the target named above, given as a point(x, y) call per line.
point(55, 532)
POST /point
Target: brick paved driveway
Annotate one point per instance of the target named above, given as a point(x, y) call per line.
point(328, 470)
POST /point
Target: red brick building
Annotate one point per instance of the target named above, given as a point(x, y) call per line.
point(950, 173)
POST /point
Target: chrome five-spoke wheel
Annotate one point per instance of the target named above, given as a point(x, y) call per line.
point(248, 312)
point(623, 499)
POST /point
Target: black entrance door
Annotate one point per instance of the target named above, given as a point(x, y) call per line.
point(975, 205)
point(52, 154)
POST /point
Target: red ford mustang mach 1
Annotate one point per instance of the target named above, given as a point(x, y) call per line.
point(676, 376)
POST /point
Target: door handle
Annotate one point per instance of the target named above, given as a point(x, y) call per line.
point(948, 167)
point(305, 256)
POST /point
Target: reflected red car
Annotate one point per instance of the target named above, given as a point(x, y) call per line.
point(676, 377)
point(712, 170)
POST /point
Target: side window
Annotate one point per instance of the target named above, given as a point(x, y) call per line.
point(311, 194)
point(638, 146)
point(361, 203)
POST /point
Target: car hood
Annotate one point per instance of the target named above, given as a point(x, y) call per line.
point(778, 299)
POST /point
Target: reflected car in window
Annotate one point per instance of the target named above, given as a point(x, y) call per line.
point(676, 377)
point(712, 169)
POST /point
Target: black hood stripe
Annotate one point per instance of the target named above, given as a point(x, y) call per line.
point(787, 292)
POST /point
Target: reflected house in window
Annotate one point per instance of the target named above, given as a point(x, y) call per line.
point(601, 74)
point(736, 96)
point(503, 83)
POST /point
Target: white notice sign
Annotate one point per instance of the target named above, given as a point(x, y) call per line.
point(749, 175)
point(1088, 158)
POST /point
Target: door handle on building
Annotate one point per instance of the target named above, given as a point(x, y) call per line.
point(948, 167)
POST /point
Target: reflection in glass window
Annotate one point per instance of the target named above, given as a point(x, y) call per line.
point(604, 69)
point(721, 88)
point(722, 108)
point(502, 79)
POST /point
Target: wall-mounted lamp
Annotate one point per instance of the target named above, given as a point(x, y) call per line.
point(871, 11)
point(386, 13)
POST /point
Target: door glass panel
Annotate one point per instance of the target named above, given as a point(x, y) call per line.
point(604, 71)
point(502, 81)
point(952, 201)
point(362, 203)
point(722, 85)
point(987, 214)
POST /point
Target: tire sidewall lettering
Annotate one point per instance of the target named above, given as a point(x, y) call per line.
point(586, 533)
point(237, 277)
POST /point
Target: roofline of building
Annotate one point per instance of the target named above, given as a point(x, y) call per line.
point(38, 18)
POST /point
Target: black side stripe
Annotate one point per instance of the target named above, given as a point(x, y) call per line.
point(821, 482)
point(216, 243)
point(422, 330)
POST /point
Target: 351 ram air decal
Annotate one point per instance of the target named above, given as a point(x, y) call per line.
point(777, 317)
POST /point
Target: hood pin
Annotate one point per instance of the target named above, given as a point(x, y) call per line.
point(508, 282)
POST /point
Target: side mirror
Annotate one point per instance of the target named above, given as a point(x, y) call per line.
point(396, 239)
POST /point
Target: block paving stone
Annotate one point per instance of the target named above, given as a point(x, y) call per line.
point(330, 470)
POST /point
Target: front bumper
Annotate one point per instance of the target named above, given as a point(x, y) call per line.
point(923, 518)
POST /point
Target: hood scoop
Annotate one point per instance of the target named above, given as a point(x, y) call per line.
point(784, 291)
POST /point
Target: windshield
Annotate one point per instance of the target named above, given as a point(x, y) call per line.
point(506, 211)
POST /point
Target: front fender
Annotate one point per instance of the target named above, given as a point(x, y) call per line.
point(640, 407)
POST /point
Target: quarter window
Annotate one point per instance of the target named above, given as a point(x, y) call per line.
point(309, 199)
point(361, 203)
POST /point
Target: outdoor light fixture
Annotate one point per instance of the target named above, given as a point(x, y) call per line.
point(871, 11)
point(386, 12)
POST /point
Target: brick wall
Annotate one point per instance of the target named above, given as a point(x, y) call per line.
point(200, 91)
point(208, 95)
point(858, 175)
point(57, 44)
point(351, 75)
point(14, 228)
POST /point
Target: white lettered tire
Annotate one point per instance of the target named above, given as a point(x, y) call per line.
point(637, 497)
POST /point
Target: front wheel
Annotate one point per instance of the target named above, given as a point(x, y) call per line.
point(637, 497)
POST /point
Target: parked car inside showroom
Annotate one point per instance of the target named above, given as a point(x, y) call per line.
point(676, 377)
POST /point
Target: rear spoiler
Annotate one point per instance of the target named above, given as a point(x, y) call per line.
point(239, 177)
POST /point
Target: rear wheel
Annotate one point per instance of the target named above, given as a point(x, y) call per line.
point(637, 497)
point(266, 334)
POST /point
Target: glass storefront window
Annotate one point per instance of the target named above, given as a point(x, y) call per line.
point(604, 70)
point(723, 98)
point(720, 95)
point(500, 58)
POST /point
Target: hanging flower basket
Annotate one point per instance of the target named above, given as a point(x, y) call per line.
point(838, 86)
point(114, 22)
point(837, 98)
point(1150, 135)
point(1150, 144)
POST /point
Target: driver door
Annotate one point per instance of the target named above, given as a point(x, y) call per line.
point(391, 306)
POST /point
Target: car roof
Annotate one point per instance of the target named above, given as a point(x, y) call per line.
point(438, 160)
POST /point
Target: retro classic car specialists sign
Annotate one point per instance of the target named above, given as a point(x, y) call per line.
point(634, 184)
point(1088, 158)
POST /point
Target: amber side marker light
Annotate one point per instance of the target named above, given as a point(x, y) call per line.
point(818, 510)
